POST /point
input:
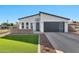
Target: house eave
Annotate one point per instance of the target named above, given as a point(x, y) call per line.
point(44, 13)
point(27, 16)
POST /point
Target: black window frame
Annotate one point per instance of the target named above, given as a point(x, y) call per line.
point(22, 25)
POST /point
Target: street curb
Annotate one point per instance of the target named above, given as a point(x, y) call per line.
point(58, 51)
point(39, 44)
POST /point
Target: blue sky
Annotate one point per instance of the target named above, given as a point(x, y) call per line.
point(13, 12)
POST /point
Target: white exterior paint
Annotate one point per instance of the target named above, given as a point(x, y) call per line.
point(42, 18)
point(66, 27)
point(29, 19)
point(34, 26)
point(42, 26)
point(24, 25)
point(29, 25)
point(48, 18)
point(19, 25)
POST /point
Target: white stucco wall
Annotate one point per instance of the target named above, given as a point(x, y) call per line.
point(29, 20)
point(19, 25)
point(34, 26)
point(48, 18)
point(42, 27)
point(66, 27)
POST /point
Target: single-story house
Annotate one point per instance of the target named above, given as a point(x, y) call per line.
point(44, 22)
point(75, 26)
point(3, 27)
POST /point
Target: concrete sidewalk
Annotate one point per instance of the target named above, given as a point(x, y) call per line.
point(1, 35)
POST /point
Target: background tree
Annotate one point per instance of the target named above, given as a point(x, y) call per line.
point(8, 24)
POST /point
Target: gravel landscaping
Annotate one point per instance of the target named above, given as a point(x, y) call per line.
point(45, 45)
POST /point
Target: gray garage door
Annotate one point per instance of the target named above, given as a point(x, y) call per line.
point(53, 26)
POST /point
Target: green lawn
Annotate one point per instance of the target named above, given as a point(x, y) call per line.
point(19, 43)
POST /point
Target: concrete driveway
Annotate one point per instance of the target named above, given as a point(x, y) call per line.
point(66, 42)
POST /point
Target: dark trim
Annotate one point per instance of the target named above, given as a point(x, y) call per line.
point(27, 16)
point(44, 13)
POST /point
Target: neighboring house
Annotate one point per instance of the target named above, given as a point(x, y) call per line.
point(75, 26)
point(44, 22)
point(3, 27)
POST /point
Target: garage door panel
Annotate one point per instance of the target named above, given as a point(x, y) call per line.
point(52, 27)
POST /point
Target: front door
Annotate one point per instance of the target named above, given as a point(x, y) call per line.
point(37, 26)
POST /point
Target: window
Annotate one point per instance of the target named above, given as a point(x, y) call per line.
point(37, 26)
point(22, 25)
point(26, 25)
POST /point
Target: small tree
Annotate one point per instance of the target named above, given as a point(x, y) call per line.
point(5, 24)
point(8, 24)
point(11, 24)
